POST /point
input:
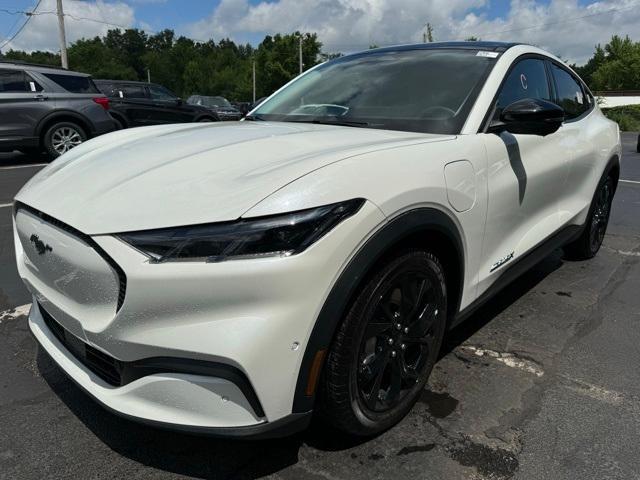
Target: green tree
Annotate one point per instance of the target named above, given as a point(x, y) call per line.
point(616, 66)
point(40, 57)
point(186, 66)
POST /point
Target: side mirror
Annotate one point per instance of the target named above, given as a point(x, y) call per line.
point(179, 102)
point(530, 116)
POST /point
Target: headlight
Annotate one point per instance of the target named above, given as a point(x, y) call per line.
point(275, 235)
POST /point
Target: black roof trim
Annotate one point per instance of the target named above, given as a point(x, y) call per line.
point(492, 46)
point(132, 82)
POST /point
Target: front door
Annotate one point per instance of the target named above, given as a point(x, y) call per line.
point(23, 104)
point(526, 176)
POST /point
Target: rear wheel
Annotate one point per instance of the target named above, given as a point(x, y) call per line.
point(589, 242)
point(120, 125)
point(62, 137)
point(386, 346)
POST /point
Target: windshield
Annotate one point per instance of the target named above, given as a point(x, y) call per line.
point(428, 90)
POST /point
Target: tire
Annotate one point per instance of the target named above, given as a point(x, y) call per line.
point(120, 125)
point(206, 119)
point(62, 137)
point(590, 240)
point(376, 347)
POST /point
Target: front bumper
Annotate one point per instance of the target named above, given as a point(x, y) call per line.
point(254, 316)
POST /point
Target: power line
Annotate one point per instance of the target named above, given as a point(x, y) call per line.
point(29, 16)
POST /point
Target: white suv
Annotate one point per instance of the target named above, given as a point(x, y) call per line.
point(233, 278)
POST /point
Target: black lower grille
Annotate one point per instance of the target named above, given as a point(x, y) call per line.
point(118, 372)
point(103, 365)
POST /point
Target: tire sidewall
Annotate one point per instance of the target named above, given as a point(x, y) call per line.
point(601, 185)
point(374, 422)
point(48, 145)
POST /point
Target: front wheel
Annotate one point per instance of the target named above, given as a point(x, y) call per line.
point(589, 242)
point(62, 137)
point(386, 346)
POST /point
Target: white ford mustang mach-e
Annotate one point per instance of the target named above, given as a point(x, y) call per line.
point(233, 278)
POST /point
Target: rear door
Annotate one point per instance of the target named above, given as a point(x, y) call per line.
point(526, 176)
point(22, 103)
point(168, 107)
point(579, 131)
point(133, 100)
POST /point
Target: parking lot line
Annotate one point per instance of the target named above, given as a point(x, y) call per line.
point(630, 181)
point(31, 165)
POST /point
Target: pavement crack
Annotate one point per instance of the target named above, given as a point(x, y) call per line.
point(14, 313)
point(510, 359)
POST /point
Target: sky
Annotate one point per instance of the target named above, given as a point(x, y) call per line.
point(568, 28)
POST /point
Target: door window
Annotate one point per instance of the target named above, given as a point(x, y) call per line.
point(527, 79)
point(131, 91)
point(160, 93)
point(571, 96)
point(32, 85)
point(13, 81)
point(73, 83)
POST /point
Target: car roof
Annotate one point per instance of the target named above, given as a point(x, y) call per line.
point(35, 67)
point(131, 82)
point(479, 45)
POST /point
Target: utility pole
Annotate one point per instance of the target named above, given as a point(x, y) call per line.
point(63, 38)
point(429, 36)
point(300, 52)
point(148, 75)
point(254, 81)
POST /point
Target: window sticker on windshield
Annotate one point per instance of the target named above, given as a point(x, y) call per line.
point(579, 98)
point(483, 53)
point(523, 81)
point(32, 85)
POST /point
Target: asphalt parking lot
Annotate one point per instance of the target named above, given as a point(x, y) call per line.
point(542, 383)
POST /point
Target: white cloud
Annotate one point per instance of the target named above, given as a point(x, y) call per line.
point(348, 25)
point(41, 33)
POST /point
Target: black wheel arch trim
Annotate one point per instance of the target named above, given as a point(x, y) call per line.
point(61, 114)
point(119, 117)
point(399, 228)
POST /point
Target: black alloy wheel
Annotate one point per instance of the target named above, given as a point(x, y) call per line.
point(386, 346)
point(590, 240)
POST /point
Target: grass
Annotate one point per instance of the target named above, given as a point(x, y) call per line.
point(627, 116)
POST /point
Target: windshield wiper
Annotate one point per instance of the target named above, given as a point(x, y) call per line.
point(254, 118)
point(342, 123)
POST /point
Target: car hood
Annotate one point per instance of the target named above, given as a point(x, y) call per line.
point(171, 175)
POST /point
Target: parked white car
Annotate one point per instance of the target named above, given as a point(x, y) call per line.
point(233, 278)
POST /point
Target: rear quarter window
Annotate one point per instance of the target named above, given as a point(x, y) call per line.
point(73, 83)
point(571, 96)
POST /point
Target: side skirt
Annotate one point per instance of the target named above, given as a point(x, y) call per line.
point(521, 265)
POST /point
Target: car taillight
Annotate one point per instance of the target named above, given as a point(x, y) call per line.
point(102, 101)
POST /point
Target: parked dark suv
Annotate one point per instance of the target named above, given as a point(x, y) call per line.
point(135, 104)
point(219, 105)
point(49, 108)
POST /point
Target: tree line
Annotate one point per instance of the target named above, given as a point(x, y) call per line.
point(616, 66)
point(186, 66)
point(226, 68)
